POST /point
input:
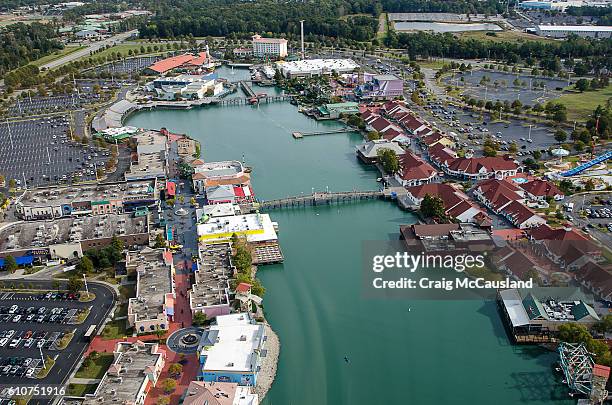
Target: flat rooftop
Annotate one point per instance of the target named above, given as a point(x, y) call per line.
point(125, 191)
point(220, 169)
point(26, 235)
point(125, 377)
point(154, 281)
point(256, 227)
point(218, 210)
point(313, 65)
point(233, 345)
point(211, 285)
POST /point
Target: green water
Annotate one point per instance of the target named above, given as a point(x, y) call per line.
point(400, 352)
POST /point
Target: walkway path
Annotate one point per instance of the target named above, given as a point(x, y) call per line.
point(269, 363)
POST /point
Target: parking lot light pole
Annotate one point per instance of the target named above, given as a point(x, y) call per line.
point(42, 357)
point(86, 289)
point(10, 133)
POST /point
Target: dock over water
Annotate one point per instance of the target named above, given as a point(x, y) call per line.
point(300, 135)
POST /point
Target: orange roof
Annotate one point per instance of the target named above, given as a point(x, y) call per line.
point(243, 287)
point(601, 371)
point(199, 60)
point(167, 64)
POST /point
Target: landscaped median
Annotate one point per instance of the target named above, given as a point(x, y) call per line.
point(82, 316)
point(87, 296)
point(64, 341)
point(49, 363)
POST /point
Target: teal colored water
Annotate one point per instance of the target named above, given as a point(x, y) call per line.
point(399, 352)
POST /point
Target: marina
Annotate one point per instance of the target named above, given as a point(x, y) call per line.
point(313, 299)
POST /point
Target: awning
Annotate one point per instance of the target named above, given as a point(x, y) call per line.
point(514, 307)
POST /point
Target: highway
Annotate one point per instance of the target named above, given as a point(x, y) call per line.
point(94, 46)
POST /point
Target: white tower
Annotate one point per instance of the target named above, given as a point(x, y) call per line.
point(302, 32)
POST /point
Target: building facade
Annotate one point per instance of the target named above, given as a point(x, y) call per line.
point(274, 47)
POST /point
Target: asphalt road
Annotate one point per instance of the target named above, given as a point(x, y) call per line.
point(94, 46)
point(67, 358)
point(604, 237)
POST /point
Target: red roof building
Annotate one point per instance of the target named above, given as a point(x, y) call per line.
point(456, 203)
point(539, 189)
point(414, 171)
point(186, 60)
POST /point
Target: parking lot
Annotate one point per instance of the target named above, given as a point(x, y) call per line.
point(504, 86)
point(39, 152)
point(32, 324)
point(128, 66)
point(472, 128)
point(65, 102)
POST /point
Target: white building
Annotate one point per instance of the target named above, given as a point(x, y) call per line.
point(190, 87)
point(562, 31)
point(256, 228)
point(262, 47)
point(316, 67)
point(230, 351)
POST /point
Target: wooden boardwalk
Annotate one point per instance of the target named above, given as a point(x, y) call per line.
point(322, 198)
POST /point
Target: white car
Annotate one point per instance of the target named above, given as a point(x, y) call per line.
point(3, 342)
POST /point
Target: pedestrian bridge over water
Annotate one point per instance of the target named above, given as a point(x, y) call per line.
point(327, 197)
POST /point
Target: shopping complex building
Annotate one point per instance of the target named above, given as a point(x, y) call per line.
point(231, 350)
point(153, 307)
point(134, 372)
point(95, 199)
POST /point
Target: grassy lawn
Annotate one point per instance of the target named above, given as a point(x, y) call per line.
point(115, 330)
point(504, 36)
point(580, 105)
point(50, 58)
point(432, 64)
point(79, 390)
point(125, 48)
point(96, 367)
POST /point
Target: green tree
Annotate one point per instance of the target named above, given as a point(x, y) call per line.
point(175, 369)
point(169, 385)
point(163, 400)
point(10, 264)
point(582, 85)
point(85, 265)
point(159, 241)
point(75, 284)
point(389, 160)
point(373, 135)
point(432, 207)
point(513, 148)
point(199, 319)
point(560, 136)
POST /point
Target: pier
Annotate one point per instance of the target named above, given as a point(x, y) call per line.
point(248, 91)
point(300, 135)
point(244, 101)
point(321, 198)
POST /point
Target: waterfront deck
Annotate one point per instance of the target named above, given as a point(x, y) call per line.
point(267, 253)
